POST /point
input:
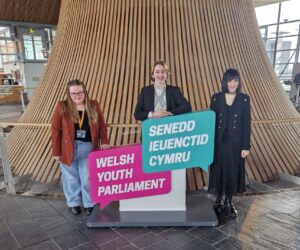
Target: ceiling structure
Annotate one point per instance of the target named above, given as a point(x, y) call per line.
point(47, 11)
point(30, 11)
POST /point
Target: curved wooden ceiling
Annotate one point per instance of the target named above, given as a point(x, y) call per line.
point(34, 11)
point(47, 11)
point(111, 44)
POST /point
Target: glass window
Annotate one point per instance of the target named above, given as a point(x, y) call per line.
point(28, 46)
point(4, 58)
point(287, 53)
point(267, 14)
point(33, 45)
point(4, 31)
point(289, 29)
point(270, 44)
point(290, 10)
point(7, 47)
point(287, 43)
point(272, 29)
point(285, 57)
point(287, 70)
point(3, 48)
point(271, 56)
point(11, 58)
point(262, 32)
point(10, 45)
point(38, 46)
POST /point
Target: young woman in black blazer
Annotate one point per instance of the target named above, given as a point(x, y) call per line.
point(159, 99)
point(232, 142)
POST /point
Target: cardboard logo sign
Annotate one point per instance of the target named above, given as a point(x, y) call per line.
point(181, 141)
point(117, 174)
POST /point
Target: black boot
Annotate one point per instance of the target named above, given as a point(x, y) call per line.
point(219, 204)
point(229, 209)
point(233, 211)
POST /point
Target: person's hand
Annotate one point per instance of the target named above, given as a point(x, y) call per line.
point(57, 158)
point(160, 113)
point(105, 146)
point(244, 153)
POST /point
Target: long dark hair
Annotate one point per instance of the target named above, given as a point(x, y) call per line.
point(70, 107)
point(229, 75)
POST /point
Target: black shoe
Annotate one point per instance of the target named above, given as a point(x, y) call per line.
point(233, 212)
point(227, 211)
point(88, 210)
point(219, 206)
point(230, 211)
point(76, 210)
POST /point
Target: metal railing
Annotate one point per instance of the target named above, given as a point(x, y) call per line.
point(14, 93)
point(8, 178)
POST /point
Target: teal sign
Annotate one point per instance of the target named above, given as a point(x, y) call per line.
point(176, 142)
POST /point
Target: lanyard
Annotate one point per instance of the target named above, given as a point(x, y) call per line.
point(81, 119)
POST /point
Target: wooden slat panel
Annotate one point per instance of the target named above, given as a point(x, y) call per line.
point(34, 11)
point(111, 45)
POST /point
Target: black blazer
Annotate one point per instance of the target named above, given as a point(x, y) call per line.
point(176, 102)
point(239, 124)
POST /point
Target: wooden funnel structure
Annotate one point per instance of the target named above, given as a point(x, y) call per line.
point(111, 44)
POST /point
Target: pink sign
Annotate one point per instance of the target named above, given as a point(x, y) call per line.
point(117, 174)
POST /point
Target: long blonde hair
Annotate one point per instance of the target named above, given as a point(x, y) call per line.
point(88, 106)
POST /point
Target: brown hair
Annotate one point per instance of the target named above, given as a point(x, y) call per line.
point(162, 63)
point(71, 108)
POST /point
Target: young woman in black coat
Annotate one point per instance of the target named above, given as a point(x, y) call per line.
point(232, 142)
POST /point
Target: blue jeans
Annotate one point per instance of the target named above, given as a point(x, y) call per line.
point(75, 177)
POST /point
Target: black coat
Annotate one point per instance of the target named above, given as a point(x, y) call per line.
point(227, 173)
point(176, 102)
point(239, 128)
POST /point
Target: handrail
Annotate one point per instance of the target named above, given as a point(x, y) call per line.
point(23, 124)
point(276, 120)
point(11, 86)
point(8, 178)
point(30, 87)
point(16, 86)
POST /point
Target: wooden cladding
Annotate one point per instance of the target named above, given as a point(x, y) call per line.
point(111, 45)
point(34, 11)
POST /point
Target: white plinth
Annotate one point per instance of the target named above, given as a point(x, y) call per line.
point(173, 201)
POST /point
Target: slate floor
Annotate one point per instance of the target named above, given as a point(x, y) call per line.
point(268, 221)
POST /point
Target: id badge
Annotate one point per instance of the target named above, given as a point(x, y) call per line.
point(80, 134)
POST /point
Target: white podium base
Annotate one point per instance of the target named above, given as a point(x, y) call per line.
point(173, 201)
point(199, 212)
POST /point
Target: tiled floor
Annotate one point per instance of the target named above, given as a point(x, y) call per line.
point(269, 221)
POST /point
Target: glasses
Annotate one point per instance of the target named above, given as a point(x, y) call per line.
point(77, 94)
